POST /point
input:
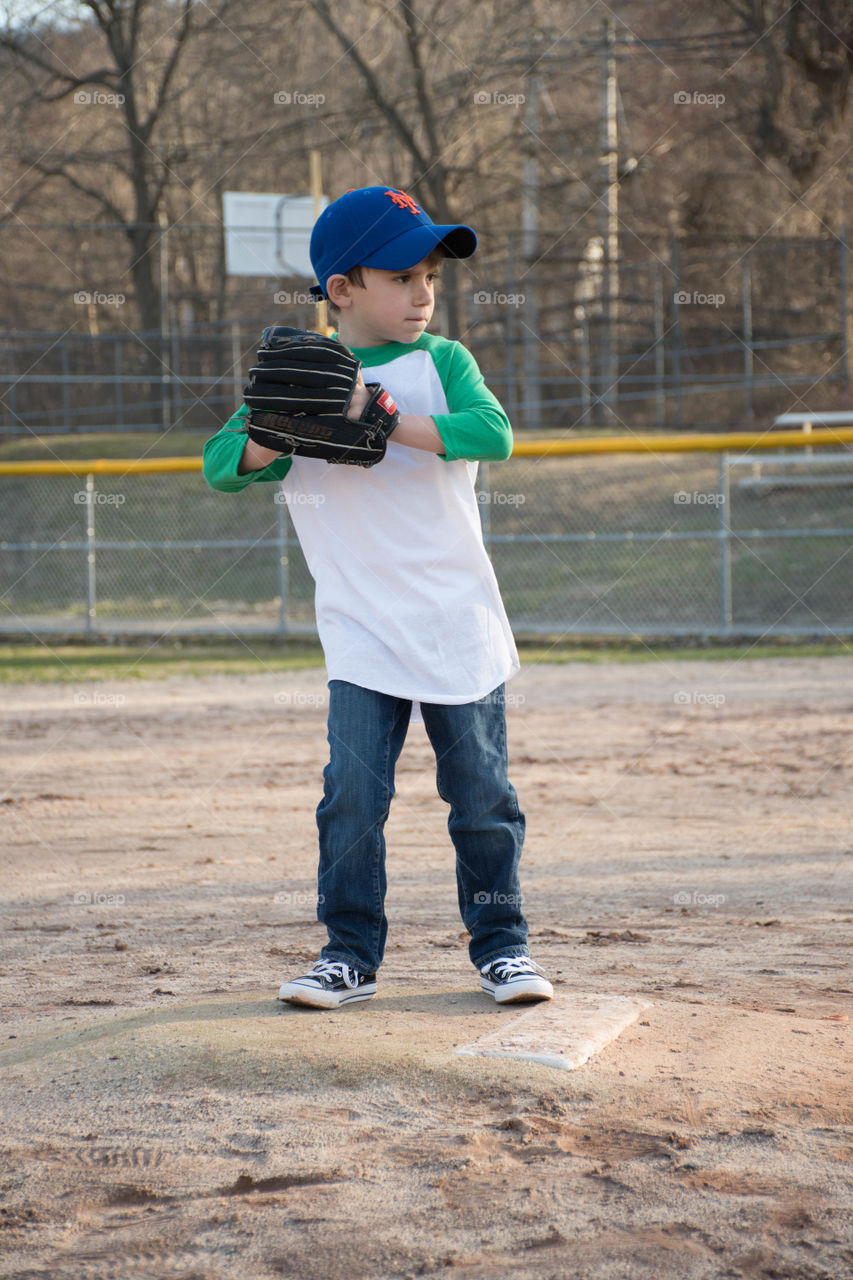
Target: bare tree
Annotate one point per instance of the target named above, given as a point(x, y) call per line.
point(124, 55)
point(807, 55)
point(423, 89)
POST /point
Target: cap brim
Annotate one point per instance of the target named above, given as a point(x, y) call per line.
point(413, 246)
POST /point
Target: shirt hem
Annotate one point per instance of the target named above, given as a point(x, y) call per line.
point(441, 700)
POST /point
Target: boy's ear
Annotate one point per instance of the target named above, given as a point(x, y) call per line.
point(339, 290)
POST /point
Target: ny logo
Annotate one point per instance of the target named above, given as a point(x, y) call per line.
point(402, 201)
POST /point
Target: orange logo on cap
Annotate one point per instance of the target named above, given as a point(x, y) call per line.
point(402, 201)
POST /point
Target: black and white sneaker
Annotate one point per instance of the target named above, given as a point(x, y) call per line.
point(329, 984)
point(515, 978)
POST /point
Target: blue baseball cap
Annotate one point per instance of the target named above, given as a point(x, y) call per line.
point(379, 227)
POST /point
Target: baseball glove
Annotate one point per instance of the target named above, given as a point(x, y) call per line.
point(299, 395)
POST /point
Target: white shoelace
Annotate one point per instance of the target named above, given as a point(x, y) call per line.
point(513, 967)
point(336, 969)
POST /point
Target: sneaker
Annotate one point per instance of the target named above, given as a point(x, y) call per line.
point(329, 984)
point(515, 978)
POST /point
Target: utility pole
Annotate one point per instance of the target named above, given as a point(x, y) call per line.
point(610, 216)
point(315, 161)
point(532, 394)
point(166, 383)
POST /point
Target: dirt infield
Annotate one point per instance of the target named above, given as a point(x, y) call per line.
point(162, 1116)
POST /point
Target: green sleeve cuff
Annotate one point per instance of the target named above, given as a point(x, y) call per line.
point(222, 453)
point(482, 434)
point(475, 427)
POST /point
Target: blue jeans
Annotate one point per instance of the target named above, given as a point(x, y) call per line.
point(366, 735)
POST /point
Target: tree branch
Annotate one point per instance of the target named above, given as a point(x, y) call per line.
point(35, 59)
point(371, 81)
point(169, 70)
point(59, 171)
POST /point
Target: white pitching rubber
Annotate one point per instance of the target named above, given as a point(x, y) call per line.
point(564, 1032)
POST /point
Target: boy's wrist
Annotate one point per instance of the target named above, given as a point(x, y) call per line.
point(418, 431)
point(255, 457)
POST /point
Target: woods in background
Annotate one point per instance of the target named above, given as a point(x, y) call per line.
point(124, 118)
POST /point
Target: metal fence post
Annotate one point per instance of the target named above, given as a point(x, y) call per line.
point(510, 396)
point(165, 344)
point(10, 394)
point(90, 554)
point(118, 370)
point(725, 544)
point(586, 373)
point(531, 387)
point(283, 561)
point(676, 331)
point(842, 249)
point(660, 351)
point(175, 375)
point(66, 395)
point(236, 363)
point(748, 361)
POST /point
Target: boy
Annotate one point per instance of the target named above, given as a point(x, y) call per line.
point(408, 607)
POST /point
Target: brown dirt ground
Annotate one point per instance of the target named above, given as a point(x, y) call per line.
point(164, 1116)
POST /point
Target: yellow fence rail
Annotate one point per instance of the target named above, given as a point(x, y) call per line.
point(101, 467)
point(712, 442)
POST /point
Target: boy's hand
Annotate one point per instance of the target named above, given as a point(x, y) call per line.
point(306, 396)
point(359, 398)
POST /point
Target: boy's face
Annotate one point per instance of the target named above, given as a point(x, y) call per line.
point(393, 306)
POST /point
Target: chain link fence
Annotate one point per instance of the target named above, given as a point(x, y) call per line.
point(681, 543)
point(699, 335)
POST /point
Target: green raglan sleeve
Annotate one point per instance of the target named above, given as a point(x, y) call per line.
point(475, 427)
point(222, 453)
